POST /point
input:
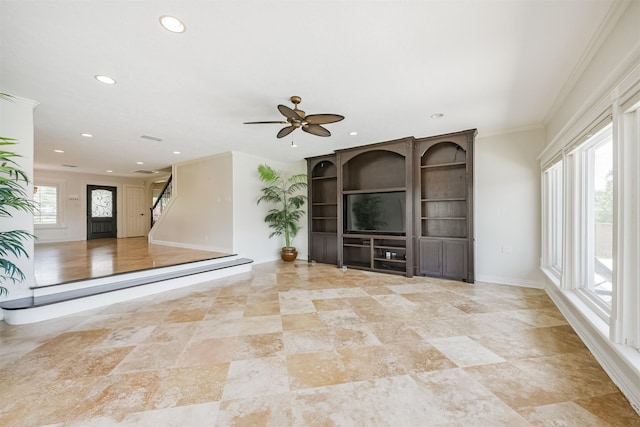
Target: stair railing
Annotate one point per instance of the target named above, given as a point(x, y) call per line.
point(162, 201)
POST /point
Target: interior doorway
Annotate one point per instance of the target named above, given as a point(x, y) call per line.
point(136, 211)
point(101, 212)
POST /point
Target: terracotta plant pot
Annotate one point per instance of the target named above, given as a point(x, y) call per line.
point(289, 254)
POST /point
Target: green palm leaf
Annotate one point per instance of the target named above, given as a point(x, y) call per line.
point(284, 218)
point(13, 196)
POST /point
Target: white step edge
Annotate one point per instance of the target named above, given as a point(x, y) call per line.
point(64, 308)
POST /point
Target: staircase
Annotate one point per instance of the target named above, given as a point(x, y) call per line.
point(162, 201)
point(53, 301)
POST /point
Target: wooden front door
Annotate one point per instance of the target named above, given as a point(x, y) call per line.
point(101, 212)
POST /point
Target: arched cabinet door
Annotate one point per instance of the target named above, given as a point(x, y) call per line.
point(322, 174)
point(443, 201)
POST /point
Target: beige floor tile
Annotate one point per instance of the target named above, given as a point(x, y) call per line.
point(200, 415)
point(260, 325)
point(315, 370)
point(186, 315)
point(310, 345)
point(209, 351)
point(465, 352)
point(366, 363)
point(308, 341)
point(330, 304)
point(517, 388)
point(150, 356)
point(270, 410)
point(562, 414)
point(303, 321)
point(190, 385)
point(262, 309)
point(453, 396)
point(612, 408)
point(256, 377)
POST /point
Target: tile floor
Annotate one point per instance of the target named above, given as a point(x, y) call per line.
point(310, 345)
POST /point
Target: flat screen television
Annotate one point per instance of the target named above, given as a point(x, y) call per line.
point(381, 213)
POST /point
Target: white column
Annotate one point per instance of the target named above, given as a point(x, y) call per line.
point(16, 121)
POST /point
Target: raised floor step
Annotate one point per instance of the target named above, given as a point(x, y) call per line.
point(54, 301)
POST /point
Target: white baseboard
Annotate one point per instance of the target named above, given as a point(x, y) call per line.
point(190, 246)
point(621, 363)
point(511, 281)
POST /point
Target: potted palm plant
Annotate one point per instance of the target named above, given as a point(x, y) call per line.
point(284, 194)
point(12, 197)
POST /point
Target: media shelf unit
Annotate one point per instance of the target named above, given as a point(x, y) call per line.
point(428, 182)
point(380, 173)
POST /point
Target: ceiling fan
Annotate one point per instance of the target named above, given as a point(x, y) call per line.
point(298, 119)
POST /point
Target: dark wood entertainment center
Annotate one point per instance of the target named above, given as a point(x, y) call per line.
point(403, 207)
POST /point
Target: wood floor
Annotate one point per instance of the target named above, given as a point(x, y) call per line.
point(68, 261)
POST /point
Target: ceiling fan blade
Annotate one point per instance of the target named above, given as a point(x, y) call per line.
point(322, 119)
point(316, 130)
point(286, 131)
point(259, 123)
point(288, 112)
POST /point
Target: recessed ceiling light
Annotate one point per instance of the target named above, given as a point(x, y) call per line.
point(58, 151)
point(105, 79)
point(353, 133)
point(140, 163)
point(176, 152)
point(87, 135)
point(172, 24)
point(437, 116)
point(109, 171)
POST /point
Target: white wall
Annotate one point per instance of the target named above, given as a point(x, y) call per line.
point(73, 203)
point(16, 121)
point(200, 213)
point(250, 237)
point(507, 208)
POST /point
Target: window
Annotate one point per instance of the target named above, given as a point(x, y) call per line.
point(46, 200)
point(552, 182)
point(597, 216)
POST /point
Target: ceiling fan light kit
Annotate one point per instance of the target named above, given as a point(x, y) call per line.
point(297, 118)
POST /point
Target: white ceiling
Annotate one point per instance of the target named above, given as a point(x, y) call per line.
point(387, 66)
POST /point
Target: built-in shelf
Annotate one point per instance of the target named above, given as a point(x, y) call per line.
point(375, 190)
point(444, 165)
point(402, 261)
point(323, 209)
point(445, 224)
point(445, 217)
